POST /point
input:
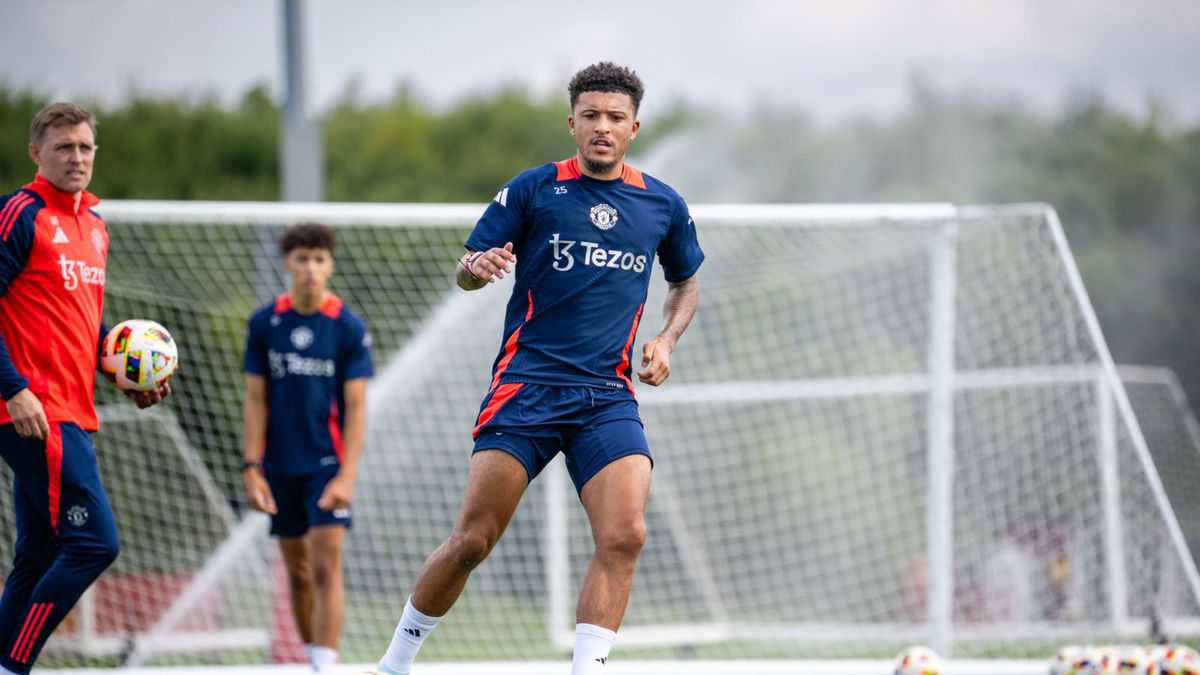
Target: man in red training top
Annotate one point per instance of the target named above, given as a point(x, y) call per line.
point(53, 249)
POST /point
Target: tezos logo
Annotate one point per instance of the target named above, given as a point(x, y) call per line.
point(603, 216)
point(75, 272)
point(77, 515)
point(594, 255)
point(291, 363)
point(302, 337)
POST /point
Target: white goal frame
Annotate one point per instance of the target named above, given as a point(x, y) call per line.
point(939, 384)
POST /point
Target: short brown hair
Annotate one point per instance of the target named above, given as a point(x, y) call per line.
point(607, 76)
point(307, 235)
point(59, 114)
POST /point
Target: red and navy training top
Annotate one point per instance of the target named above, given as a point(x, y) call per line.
point(585, 249)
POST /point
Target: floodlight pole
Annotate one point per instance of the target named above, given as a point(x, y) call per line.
point(300, 158)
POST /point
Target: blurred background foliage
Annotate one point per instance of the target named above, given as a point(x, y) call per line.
point(1127, 187)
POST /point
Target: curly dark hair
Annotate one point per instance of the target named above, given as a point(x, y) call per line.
point(608, 77)
point(307, 235)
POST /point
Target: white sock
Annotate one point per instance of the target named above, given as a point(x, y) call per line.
point(592, 644)
point(410, 633)
point(323, 658)
point(308, 654)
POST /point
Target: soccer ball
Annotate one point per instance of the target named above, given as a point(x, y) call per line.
point(1129, 659)
point(1106, 660)
point(918, 661)
point(1176, 660)
point(1065, 660)
point(138, 355)
point(1085, 660)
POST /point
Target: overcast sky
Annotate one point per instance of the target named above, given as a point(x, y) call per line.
point(829, 56)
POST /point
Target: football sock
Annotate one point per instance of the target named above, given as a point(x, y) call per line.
point(592, 644)
point(410, 633)
point(323, 658)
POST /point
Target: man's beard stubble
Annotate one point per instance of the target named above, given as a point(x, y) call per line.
point(598, 167)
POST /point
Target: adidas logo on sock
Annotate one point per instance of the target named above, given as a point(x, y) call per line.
point(415, 632)
point(602, 660)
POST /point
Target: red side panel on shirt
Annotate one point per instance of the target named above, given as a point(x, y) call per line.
point(624, 364)
point(335, 430)
point(510, 346)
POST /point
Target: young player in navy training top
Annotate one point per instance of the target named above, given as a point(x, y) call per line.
point(586, 231)
point(53, 257)
point(304, 417)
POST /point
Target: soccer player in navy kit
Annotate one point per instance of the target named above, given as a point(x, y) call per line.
point(586, 231)
point(304, 416)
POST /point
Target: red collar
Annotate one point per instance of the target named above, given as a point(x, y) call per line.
point(330, 307)
point(63, 201)
point(568, 169)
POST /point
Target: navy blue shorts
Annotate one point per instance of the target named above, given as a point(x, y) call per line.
point(591, 426)
point(296, 498)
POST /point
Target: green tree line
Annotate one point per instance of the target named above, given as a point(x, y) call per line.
point(1127, 187)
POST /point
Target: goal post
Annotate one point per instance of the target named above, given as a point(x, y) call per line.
point(1113, 424)
point(887, 424)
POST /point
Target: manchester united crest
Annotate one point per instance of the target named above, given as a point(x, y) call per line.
point(302, 337)
point(77, 515)
point(603, 216)
point(99, 241)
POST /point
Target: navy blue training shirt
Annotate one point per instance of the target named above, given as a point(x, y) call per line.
point(584, 251)
point(306, 360)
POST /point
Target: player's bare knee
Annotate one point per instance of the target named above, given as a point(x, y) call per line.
point(624, 541)
point(300, 574)
point(300, 583)
point(327, 571)
point(470, 545)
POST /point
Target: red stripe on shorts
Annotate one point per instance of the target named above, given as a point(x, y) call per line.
point(503, 394)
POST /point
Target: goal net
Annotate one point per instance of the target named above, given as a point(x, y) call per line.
point(886, 425)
